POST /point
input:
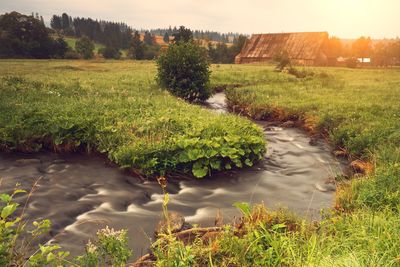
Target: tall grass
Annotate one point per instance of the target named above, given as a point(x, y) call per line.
point(116, 108)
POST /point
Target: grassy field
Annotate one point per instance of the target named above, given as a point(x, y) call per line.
point(358, 111)
point(116, 108)
point(71, 43)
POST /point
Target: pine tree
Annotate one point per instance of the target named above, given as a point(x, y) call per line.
point(166, 37)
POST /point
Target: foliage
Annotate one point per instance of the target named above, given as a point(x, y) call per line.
point(282, 60)
point(183, 35)
point(68, 106)
point(148, 38)
point(24, 36)
point(110, 249)
point(110, 52)
point(221, 53)
point(136, 50)
point(84, 46)
point(108, 33)
point(266, 238)
point(166, 38)
point(16, 238)
point(184, 70)
point(362, 47)
point(358, 108)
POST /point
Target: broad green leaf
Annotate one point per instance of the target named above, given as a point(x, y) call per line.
point(5, 198)
point(248, 162)
point(8, 210)
point(199, 170)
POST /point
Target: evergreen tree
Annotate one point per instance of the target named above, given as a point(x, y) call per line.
point(55, 23)
point(136, 51)
point(148, 38)
point(183, 35)
point(65, 21)
point(166, 37)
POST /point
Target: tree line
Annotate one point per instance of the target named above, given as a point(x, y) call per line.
point(23, 36)
point(198, 34)
point(110, 34)
point(380, 53)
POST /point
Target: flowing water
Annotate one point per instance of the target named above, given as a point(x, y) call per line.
point(82, 193)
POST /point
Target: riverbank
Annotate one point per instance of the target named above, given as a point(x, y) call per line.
point(358, 111)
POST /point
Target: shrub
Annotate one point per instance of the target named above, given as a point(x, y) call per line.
point(110, 52)
point(84, 46)
point(282, 60)
point(184, 70)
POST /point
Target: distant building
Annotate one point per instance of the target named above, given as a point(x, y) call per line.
point(303, 48)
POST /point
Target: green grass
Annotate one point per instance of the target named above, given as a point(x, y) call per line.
point(358, 109)
point(71, 43)
point(116, 108)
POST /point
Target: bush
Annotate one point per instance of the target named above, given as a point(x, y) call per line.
point(110, 52)
point(184, 70)
point(84, 46)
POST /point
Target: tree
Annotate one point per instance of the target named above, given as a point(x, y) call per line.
point(184, 70)
point(60, 48)
point(166, 38)
point(55, 23)
point(24, 36)
point(136, 51)
point(84, 46)
point(183, 35)
point(65, 21)
point(148, 38)
point(362, 48)
point(333, 49)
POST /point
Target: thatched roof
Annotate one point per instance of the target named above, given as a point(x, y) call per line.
point(301, 45)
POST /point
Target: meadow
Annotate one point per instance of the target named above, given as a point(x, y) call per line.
point(357, 111)
point(115, 108)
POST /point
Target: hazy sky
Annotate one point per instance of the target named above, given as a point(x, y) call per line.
point(343, 18)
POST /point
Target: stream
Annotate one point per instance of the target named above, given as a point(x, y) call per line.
point(82, 193)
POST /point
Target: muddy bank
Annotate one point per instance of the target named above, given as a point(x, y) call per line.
point(81, 193)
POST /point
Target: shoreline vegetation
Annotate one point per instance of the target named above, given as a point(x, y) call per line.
point(356, 109)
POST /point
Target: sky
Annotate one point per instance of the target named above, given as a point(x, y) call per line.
point(341, 18)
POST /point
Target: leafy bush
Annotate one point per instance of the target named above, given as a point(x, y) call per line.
point(84, 46)
point(110, 52)
point(184, 70)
